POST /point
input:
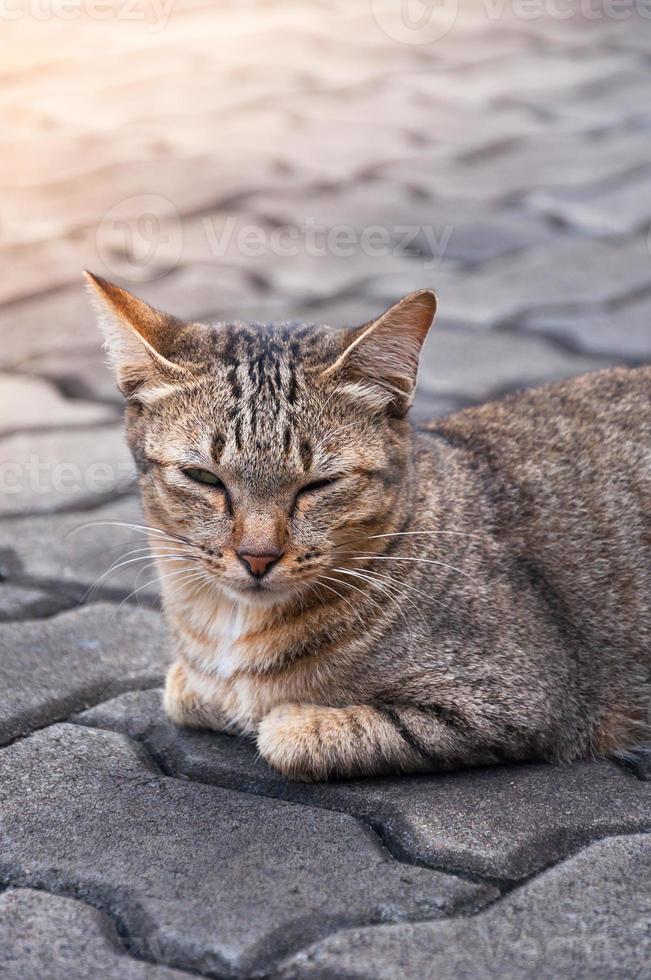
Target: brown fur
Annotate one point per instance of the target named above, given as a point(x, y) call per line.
point(473, 592)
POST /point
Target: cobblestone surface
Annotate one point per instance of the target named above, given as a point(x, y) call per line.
point(270, 161)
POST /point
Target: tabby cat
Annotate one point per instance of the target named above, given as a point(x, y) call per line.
point(371, 597)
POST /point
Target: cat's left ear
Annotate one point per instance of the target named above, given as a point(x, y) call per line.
point(380, 365)
point(139, 339)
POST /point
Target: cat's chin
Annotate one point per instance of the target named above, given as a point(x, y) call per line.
point(259, 596)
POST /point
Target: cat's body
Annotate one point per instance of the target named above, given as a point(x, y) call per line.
point(473, 592)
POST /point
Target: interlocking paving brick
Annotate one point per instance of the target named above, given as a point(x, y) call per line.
point(27, 601)
point(43, 266)
point(347, 147)
point(302, 274)
point(575, 273)
point(546, 70)
point(587, 918)
point(506, 822)
point(57, 209)
point(610, 105)
point(413, 105)
point(63, 469)
point(549, 160)
point(77, 372)
point(582, 27)
point(484, 41)
point(51, 667)
point(193, 291)
point(58, 322)
point(478, 364)
point(59, 938)
point(624, 331)
point(29, 403)
point(428, 228)
point(200, 877)
point(77, 554)
point(614, 209)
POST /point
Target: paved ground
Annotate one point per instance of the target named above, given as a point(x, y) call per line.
point(272, 160)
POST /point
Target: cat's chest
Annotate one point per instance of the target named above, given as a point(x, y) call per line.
point(225, 652)
point(218, 641)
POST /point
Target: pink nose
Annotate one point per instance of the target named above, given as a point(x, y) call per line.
point(259, 565)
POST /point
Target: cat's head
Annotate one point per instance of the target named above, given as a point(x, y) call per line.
point(269, 455)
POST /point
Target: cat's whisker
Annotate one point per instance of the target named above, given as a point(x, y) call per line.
point(145, 550)
point(343, 598)
point(153, 581)
point(355, 589)
point(357, 556)
point(143, 529)
point(191, 573)
point(133, 561)
point(405, 534)
point(399, 583)
point(400, 589)
point(166, 539)
point(115, 568)
point(375, 584)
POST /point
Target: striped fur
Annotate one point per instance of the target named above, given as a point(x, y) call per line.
point(475, 592)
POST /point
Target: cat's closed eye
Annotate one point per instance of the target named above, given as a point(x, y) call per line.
point(203, 476)
point(317, 485)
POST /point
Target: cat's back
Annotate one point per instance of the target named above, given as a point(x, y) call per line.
point(564, 474)
point(614, 404)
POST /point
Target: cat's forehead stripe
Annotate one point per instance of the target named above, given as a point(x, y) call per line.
point(305, 452)
point(217, 448)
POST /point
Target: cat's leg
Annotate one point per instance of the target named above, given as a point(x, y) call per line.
point(191, 701)
point(312, 742)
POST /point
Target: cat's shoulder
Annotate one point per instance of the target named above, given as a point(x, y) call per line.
point(590, 400)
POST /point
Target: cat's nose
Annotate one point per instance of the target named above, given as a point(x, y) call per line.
point(259, 565)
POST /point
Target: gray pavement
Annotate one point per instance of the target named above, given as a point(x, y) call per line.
point(270, 160)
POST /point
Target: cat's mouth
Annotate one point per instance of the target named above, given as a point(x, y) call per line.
point(259, 593)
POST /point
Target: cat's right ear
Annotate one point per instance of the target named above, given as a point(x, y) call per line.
point(138, 339)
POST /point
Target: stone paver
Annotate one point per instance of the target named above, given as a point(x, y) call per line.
point(59, 938)
point(621, 208)
point(52, 667)
point(28, 403)
point(63, 469)
point(624, 331)
point(440, 230)
point(573, 275)
point(219, 880)
point(77, 553)
point(178, 149)
point(546, 72)
point(478, 364)
point(79, 373)
point(27, 602)
point(565, 160)
point(26, 327)
point(587, 918)
point(505, 822)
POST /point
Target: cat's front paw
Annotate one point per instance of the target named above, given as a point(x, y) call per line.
point(290, 738)
point(184, 706)
point(312, 742)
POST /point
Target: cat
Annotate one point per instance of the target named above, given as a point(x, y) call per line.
point(367, 597)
